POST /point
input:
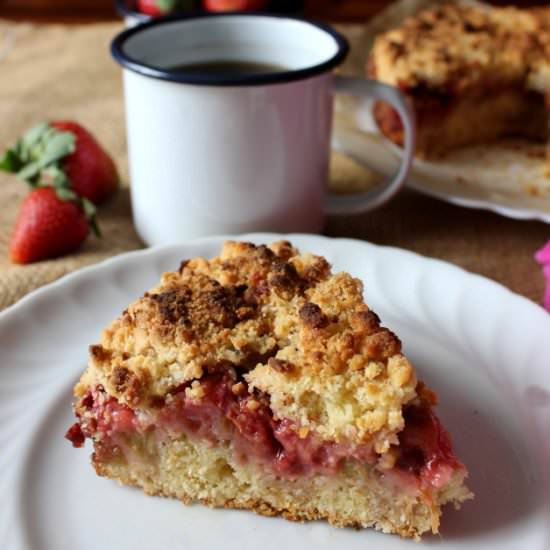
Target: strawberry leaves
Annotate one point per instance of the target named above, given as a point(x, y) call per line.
point(10, 162)
point(54, 176)
point(167, 6)
point(35, 157)
point(52, 148)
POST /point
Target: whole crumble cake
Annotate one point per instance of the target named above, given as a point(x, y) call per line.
point(474, 74)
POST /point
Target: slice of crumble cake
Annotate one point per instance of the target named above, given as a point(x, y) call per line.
point(261, 380)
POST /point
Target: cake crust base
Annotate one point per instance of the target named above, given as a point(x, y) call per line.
point(358, 496)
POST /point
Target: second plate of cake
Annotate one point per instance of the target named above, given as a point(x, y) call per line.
point(446, 59)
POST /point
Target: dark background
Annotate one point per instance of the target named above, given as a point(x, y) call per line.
point(90, 10)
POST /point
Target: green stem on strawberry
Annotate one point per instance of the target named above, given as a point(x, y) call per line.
point(62, 153)
point(90, 213)
point(10, 162)
point(168, 6)
point(39, 152)
point(87, 206)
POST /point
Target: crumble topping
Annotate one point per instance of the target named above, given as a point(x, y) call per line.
point(297, 334)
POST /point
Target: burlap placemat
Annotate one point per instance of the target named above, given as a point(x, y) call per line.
point(56, 71)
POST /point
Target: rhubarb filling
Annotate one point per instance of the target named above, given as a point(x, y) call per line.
point(220, 411)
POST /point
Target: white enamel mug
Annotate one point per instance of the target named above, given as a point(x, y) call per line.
point(232, 153)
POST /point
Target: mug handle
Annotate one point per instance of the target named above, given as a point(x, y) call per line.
point(355, 203)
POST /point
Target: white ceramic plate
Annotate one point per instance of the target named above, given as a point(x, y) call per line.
point(511, 180)
point(484, 349)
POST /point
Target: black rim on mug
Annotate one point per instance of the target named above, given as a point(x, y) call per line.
point(220, 79)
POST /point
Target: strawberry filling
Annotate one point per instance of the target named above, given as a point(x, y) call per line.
point(245, 422)
point(225, 413)
point(425, 448)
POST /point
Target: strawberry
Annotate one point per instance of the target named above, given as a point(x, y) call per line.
point(50, 223)
point(63, 154)
point(234, 5)
point(157, 8)
point(89, 168)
